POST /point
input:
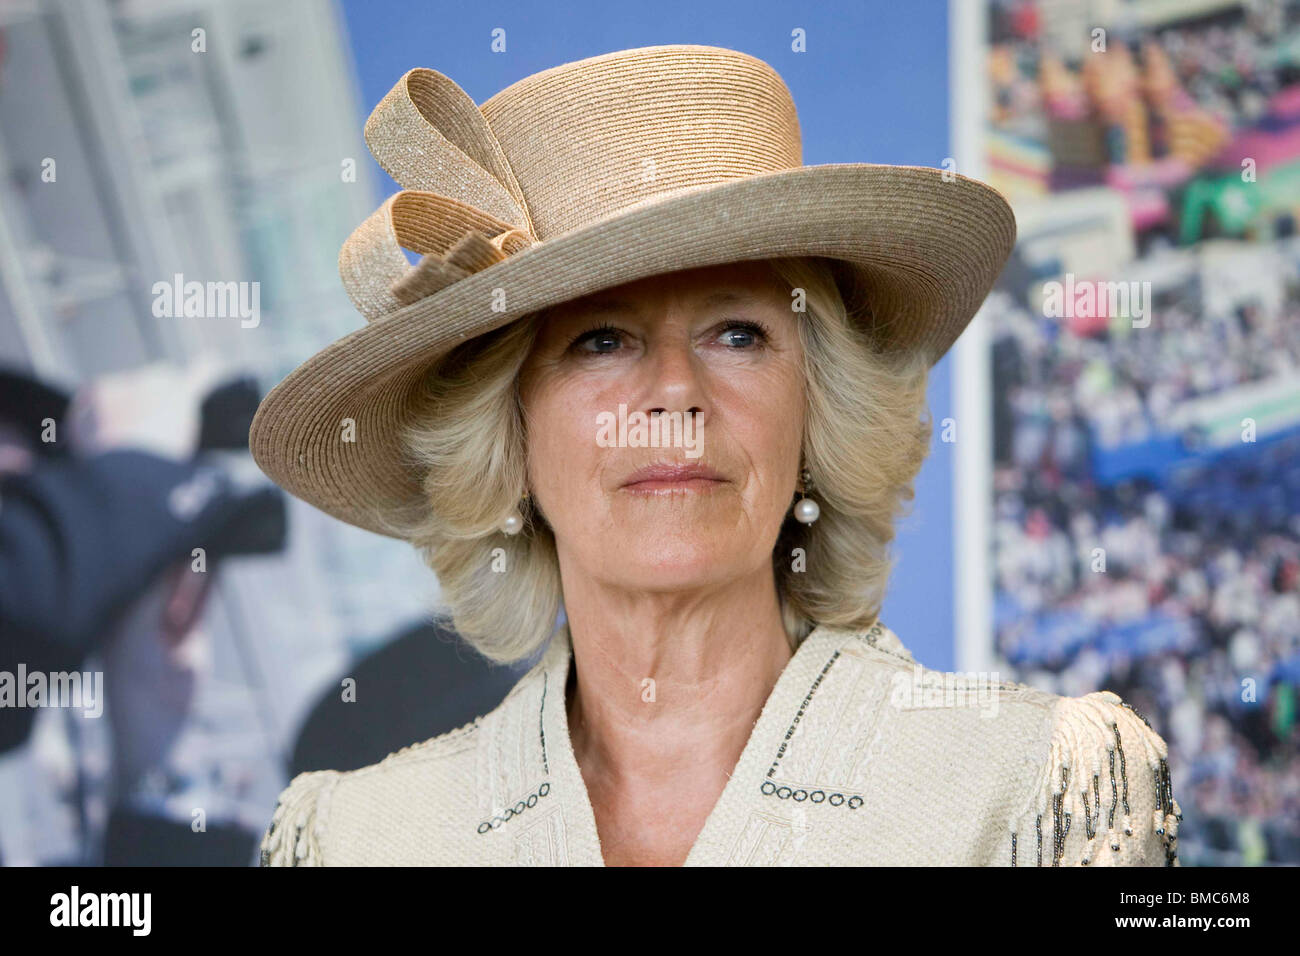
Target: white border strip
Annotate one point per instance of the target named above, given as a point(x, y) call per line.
point(972, 478)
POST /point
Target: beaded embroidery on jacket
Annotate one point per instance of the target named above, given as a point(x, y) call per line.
point(1064, 780)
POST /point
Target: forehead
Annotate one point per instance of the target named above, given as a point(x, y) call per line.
point(739, 283)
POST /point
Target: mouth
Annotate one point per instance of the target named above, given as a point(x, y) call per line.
point(657, 479)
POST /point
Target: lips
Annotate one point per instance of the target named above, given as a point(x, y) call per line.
point(654, 477)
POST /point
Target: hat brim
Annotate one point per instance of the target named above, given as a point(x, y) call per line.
point(928, 246)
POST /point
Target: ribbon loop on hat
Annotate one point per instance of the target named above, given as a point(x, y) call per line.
point(472, 252)
point(428, 135)
point(375, 271)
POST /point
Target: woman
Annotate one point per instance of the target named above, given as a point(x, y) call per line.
point(654, 374)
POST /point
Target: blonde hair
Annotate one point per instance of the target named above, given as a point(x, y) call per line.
point(866, 433)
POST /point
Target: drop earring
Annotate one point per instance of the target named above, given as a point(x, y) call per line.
point(514, 522)
point(806, 511)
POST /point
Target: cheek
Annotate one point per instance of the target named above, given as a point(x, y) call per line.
point(764, 417)
point(562, 450)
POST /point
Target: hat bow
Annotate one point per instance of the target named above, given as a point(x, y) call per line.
point(460, 207)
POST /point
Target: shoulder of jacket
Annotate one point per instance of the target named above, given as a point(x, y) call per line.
point(445, 744)
point(909, 677)
point(296, 835)
point(1103, 788)
point(298, 826)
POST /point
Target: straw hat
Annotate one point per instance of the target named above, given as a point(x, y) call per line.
point(582, 177)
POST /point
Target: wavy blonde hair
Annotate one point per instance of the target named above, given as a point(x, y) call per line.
point(867, 430)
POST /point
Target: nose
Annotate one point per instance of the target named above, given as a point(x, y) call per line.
point(672, 378)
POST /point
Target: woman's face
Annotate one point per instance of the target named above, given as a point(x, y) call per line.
point(715, 349)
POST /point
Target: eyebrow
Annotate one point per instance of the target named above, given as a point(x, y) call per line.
point(605, 306)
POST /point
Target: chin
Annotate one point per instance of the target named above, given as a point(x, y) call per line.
point(656, 561)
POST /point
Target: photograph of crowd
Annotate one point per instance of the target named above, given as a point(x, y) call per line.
point(1145, 350)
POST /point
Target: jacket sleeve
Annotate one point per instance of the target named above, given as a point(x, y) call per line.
point(1104, 797)
point(81, 538)
point(296, 834)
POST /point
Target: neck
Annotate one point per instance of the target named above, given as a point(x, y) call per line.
point(667, 687)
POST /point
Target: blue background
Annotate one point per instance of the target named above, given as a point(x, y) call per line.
point(872, 86)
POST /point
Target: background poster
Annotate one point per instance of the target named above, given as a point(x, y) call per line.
point(1143, 353)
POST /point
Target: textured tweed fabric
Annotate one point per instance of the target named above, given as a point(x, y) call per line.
point(858, 757)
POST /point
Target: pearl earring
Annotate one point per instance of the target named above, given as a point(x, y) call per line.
point(514, 522)
point(806, 511)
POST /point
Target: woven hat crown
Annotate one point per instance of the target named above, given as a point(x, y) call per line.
point(554, 152)
point(585, 141)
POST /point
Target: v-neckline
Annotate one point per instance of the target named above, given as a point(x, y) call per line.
point(776, 723)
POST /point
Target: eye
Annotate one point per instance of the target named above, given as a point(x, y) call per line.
point(601, 336)
point(605, 339)
point(746, 334)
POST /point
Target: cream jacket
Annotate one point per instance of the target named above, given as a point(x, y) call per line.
point(859, 757)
